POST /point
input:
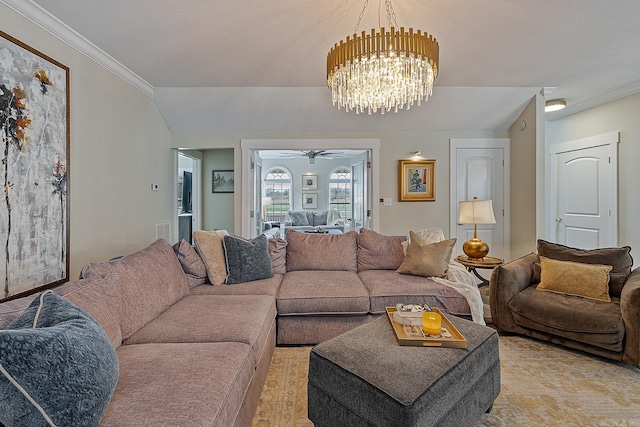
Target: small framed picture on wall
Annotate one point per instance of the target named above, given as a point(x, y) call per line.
point(310, 201)
point(309, 182)
point(417, 180)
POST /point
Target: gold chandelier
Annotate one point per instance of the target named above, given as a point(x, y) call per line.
point(383, 70)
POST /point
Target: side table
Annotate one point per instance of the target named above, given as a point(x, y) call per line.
point(487, 262)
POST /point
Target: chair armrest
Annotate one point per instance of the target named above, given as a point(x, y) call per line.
point(506, 281)
point(630, 310)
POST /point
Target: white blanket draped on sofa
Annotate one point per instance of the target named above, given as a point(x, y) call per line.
point(458, 278)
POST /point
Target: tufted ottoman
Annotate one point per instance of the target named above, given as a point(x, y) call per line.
point(364, 378)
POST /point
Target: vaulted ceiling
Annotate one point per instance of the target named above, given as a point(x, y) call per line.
point(213, 57)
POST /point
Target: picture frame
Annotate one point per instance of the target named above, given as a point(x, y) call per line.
point(34, 134)
point(222, 181)
point(417, 180)
point(310, 201)
point(309, 182)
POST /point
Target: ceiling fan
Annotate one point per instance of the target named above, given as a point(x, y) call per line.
point(313, 154)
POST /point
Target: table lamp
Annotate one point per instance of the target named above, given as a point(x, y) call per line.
point(476, 212)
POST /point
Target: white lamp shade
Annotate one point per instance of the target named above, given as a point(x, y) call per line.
point(476, 212)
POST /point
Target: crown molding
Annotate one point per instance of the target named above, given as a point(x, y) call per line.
point(36, 14)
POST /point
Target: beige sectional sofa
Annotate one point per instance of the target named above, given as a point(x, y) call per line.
point(188, 360)
point(192, 353)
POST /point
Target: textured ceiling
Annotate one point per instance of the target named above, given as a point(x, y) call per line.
point(585, 48)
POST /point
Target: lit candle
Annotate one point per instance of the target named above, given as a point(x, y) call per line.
point(431, 323)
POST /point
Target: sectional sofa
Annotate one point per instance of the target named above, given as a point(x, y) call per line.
point(193, 353)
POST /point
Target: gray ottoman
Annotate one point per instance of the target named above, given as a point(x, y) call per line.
point(364, 378)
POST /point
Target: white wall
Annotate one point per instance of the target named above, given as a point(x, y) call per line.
point(396, 219)
point(120, 144)
point(621, 115)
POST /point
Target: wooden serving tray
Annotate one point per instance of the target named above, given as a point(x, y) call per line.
point(416, 337)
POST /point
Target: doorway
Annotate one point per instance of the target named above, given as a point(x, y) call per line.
point(584, 192)
point(480, 168)
point(188, 190)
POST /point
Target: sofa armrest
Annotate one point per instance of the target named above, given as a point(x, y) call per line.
point(506, 281)
point(630, 309)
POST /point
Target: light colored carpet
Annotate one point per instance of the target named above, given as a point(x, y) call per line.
point(541, 385)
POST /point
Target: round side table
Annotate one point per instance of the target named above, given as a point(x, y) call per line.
point(487, 262)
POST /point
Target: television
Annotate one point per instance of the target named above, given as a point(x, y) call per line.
point(186, 191)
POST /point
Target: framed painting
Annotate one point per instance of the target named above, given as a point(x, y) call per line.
point(310, 201)
point(309, 182)
point(417, 180)
point(34, 132)
point(222, 181)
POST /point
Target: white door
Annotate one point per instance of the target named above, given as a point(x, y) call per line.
point(584, 192)
point(478, 170)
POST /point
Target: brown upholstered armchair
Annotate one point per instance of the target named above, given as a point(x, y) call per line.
point(608, 329)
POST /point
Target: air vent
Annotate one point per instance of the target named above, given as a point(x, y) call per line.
point(163, 230)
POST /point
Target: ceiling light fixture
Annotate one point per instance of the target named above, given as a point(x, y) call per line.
point(554, 105)
point(384, 70)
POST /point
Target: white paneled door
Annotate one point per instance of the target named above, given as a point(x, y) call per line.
point(478, 170)
point(584, 192)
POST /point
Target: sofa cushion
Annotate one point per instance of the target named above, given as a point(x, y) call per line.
point(584, 320)
point(99, 296)
point(278, 255)
point(247, 260)
point(309, 251)
point(619, 258)
point(426, 259)
point(388, 288)
point(209, 245)
point(255, 287)
point(213, 318)
point(379, 252)
point(58, 366)
point(151, 280)
point(191, 262)
point(298, 218)
point(575, 278)
point(198, 384)
point(331, 292)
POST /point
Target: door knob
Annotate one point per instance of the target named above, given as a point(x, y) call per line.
point(558, 219)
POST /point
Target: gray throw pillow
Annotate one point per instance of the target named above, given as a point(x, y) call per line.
point(247, 260)
point(298, 218)
point(320, 217)
point(64, 362)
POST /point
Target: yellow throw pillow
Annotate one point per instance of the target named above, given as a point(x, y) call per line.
point(209, 245)
point(426, 259)
point(574, 278)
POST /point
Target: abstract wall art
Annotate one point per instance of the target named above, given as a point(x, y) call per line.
point(34, 173)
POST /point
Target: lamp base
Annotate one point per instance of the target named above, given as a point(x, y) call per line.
point(475, 249)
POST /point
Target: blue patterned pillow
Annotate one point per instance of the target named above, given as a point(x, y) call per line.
point(247, 260)
point(298, 218)
point(57, 366)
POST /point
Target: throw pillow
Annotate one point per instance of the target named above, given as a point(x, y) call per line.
point(426, 259)
point(429, 235)
point(278, 255)
point(57, 366)
point(379, 252)
point(574, 278)
point(619, 258)
point(210, 247)
point(311, 251)
point(247, 260)
point(189, 259)
point(320, 218)
point(298, 218)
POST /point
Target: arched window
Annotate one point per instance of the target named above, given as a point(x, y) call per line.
point(340, 191)
point(277, 194)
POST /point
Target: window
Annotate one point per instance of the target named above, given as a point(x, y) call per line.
point(340, 192)
point(277, 191)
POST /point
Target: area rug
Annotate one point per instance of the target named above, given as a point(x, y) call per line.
point(541, 384)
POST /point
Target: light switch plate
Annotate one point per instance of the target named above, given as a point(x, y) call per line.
point(386, 201)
